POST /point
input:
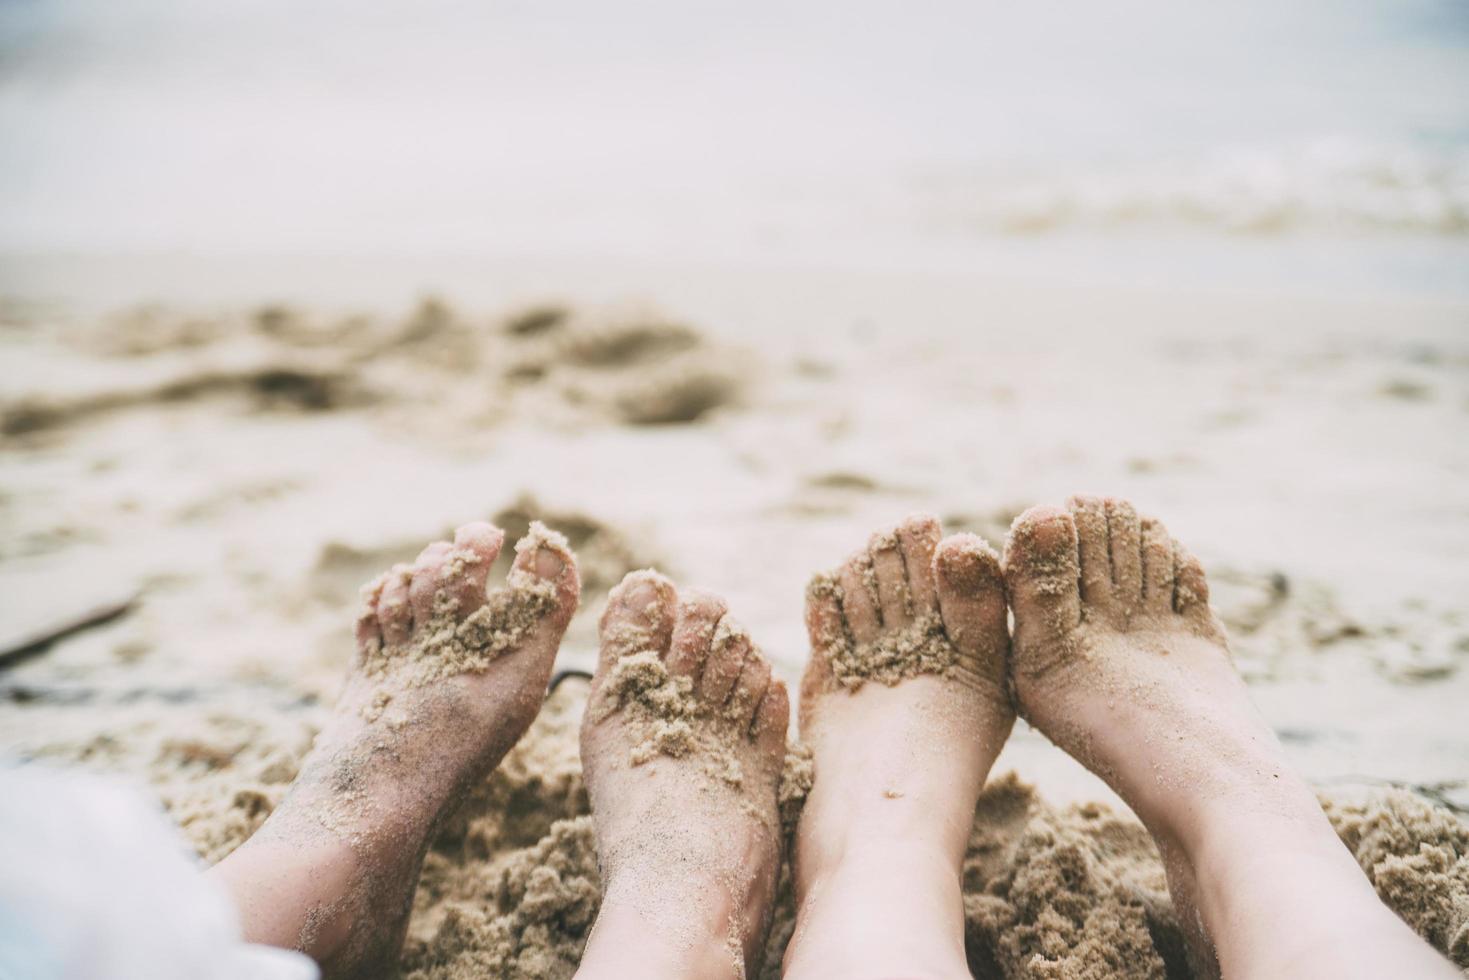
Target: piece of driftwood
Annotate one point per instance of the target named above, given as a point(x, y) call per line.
point(38, 643)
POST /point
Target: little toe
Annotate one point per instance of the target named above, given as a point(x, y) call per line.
point(772, 718)
point(1157, 567)
point(830, 637)
point(1124, 531)
point(825, 624)
point(699, 612)
point(1094, 553)
point(892, 580)
point(394, 614)
point(428, 574)
point(367, 630)
point(476, 546)
point(749, 689)
point(918, 538)
point(1041, 576)
point(858, 580)
point(639, 616)
point(971, 597)
point(727, 654)
point(1190, 586)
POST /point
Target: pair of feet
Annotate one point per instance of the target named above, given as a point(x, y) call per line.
point(905, 704)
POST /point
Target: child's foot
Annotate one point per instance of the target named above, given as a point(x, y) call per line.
point(446, 680)
point(904, 707)
point(1119, 661)
point(682, 746)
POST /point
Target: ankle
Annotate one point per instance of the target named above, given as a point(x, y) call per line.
point(870, 851)
point(657, 929)
point(920, 933)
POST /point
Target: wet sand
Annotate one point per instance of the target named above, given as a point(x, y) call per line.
point(239, 474)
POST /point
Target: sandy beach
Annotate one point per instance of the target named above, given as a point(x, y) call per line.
point(225, 473)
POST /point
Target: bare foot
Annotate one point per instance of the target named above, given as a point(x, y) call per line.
point(904, 707)
point(1119, 661)
point(445, 681)
point(682, 746)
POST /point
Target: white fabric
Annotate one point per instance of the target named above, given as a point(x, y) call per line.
point(96, 884)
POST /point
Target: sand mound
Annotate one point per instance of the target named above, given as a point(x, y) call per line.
point(510, 887)
point(634, 368)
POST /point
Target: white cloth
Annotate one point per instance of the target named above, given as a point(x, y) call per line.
point(97, 884)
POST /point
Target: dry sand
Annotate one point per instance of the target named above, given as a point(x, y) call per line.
point(239, 475)
point(510, 888)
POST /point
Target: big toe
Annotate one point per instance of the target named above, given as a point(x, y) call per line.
point(971, 598)
point(543, 559)
point(1042, 577)
point(544, 556)
point(640, 615)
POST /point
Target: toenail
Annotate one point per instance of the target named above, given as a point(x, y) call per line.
point(640, 594)
point(549, 564)
point(963, 565)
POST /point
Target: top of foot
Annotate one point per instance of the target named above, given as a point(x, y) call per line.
point(448, 668)
point(1095, 569)
point(906, 605)
point(682, 747)
point(434, 618)
point(678, 678)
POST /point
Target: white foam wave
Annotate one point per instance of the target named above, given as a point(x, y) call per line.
point(1330, 186)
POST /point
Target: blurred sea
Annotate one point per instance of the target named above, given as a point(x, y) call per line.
point(1319, 145)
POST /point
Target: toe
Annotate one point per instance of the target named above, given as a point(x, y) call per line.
point(394, 614)
point(918, 537)
point(543, 555)
point(699, 612)
point(859, 597)
point(1094, 556)
point(825, 623)
point(1191, 595)
point(640, 615)
point(891, 578)
point(1041, 575)
point(428, 576)
point(772, 718)
point(368, 631)
point(476, 546)
point(726, 659)
point(827, 628)
point(1157, 566)
point(971, 596)
point(1124, 532)
point(754, 681)
point(1190, 587)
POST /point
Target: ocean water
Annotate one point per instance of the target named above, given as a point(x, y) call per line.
point(1319, 142)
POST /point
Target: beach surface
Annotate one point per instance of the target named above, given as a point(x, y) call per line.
point(199, 485)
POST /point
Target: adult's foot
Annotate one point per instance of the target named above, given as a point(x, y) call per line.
point(682, 746)
point(1118, 660)
point(446, 679)
point(904, 707)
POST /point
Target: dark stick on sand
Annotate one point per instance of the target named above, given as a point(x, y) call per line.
point(35, 645)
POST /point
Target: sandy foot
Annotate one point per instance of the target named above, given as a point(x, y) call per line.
point(682, 747)
point(1119, 660)
point(447, 678)
point(904, 707)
